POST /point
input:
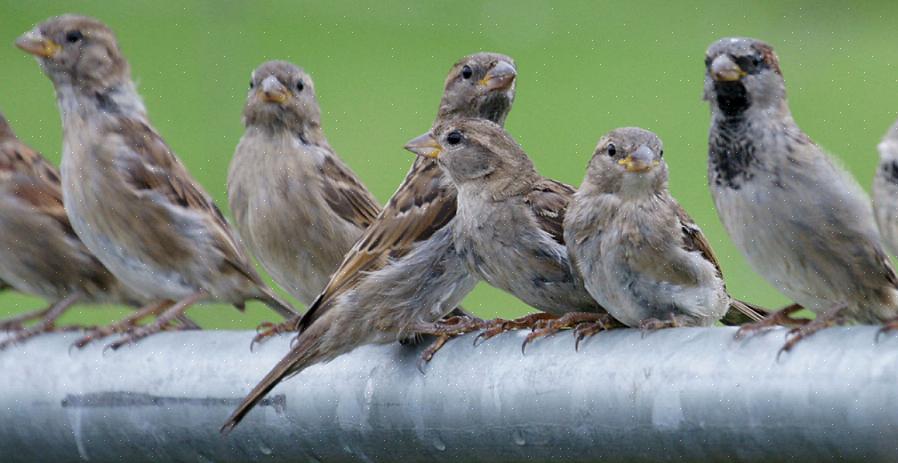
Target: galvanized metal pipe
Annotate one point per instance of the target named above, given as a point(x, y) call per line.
point(673, 395)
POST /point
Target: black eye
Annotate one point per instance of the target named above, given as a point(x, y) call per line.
point(300, 86)
point(708, 61)
point(251, 85)
point(73, 36)
point(467, 72)
point(612, 150)
point(661, 154)
point(454, 137)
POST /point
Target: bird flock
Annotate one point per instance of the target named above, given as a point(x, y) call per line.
point(123, 221)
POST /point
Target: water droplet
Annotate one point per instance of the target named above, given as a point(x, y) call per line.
point(439, 444)
point(518, 438)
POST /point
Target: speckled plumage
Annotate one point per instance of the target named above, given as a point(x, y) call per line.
point(885, 190)
point(800, 220)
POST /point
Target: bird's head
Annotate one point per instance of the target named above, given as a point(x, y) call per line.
point(281, 95)
point(481, 85)
point(628, 159)
point(743, 74)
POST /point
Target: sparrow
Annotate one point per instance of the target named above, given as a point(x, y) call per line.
point(509, 228)
point(128, 197)
point(39, 252)
point(639, 253)
point(800, 220)
point(885, 190)
point(297, 206)
point(404, 274)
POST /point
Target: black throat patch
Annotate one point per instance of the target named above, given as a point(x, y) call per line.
point(732, 98)
point(731, 153)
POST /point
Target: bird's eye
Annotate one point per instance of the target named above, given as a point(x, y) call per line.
point(756, 60)
point(467, 72)
point(708, 61)
point(612, 150)
point(454, 137)
point(661, 154)
point(300, 86)
point(251, 84)
point(73, 36)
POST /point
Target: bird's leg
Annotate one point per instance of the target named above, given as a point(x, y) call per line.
point(795, 335)
point(169, 315)
point(889, 326)
point(184, 323)
point(266, 330)
point(47, 323)
point(587, 329)
point(498, 326)
point(654, 324)
point(779, 318)
point(445, 329)
point(568, 320)
point(18, 322)
point(126, 324)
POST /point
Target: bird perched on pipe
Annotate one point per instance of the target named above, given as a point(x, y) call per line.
point(39, 252)
point(639, 253)
point(404, 274)
point(297, 205)
point(800, 220)
point(885, 190)
point(129, 198)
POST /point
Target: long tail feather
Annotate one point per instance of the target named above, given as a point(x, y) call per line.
point(743, 312)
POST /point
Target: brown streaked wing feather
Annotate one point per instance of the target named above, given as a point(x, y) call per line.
point(156, 168)
point(423, 204)
point(346, 194)
point(549, 200)
point(693, 238)
point(34, 180)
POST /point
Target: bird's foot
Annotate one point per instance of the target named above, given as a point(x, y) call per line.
point(444, 330)
point(122, 326)
point(568, 320)
point(172, 314)
point(23, 334)
point(18, 322)
point(498, 326)
point(796, 335)
point(588, 329)
point(653, 324)
point(780, 318)
point(267, 330)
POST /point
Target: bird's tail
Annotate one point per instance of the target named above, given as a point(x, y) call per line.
point(741, 312)
point(277, 304)
point(305, 352)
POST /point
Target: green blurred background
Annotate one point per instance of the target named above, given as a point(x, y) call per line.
point(584, 68)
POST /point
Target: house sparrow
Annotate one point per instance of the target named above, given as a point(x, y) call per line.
point(297, 206)
point(509, 225)
point(39, 252)
point(801, 221)
point(639, 253)
point(404, 273)
point(885, 190)
point(129, 198)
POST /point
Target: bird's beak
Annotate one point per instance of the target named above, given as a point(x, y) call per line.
point(724, 69)
point(35, 43)
point(273, 91)
point(500, 77)
point(641, 160)
point(425, 146)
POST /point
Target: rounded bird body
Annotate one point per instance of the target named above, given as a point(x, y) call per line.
point(885, 190)
point(639, 253)
point(298, 207)
point(800, 220)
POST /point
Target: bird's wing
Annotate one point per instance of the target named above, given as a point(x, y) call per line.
point(35, 181)
point(150, 168)
point(693, 238)
point(345, 193)
point(424, 203)
point(549, 200)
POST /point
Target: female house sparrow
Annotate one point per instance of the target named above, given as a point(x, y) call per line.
point(297, 206)
point(509, 227)
point(404, 273)
point(641, 256)
point(39, 252)
point(885, 190)
point(129, 198)
point(802, 222)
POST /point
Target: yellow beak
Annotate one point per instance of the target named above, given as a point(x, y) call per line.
point(724, 69)
point(272, 91)
point(500, 77)
point(35, 43)
point(425, 145)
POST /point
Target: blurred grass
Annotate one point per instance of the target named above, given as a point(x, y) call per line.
point(585, 68)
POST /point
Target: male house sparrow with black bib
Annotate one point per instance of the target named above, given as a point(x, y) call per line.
point(639, 253)
point(800, 220)
point(404, 274)
point(128, 196)
point(296, 204)
point(885, 190)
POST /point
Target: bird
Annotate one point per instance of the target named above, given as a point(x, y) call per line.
point(638, 251)
point(297, 206)
point(885, 190)
point(801, 221)
point(509, 225)
point(128, 197)
point(404, 273)
point(39, 252)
